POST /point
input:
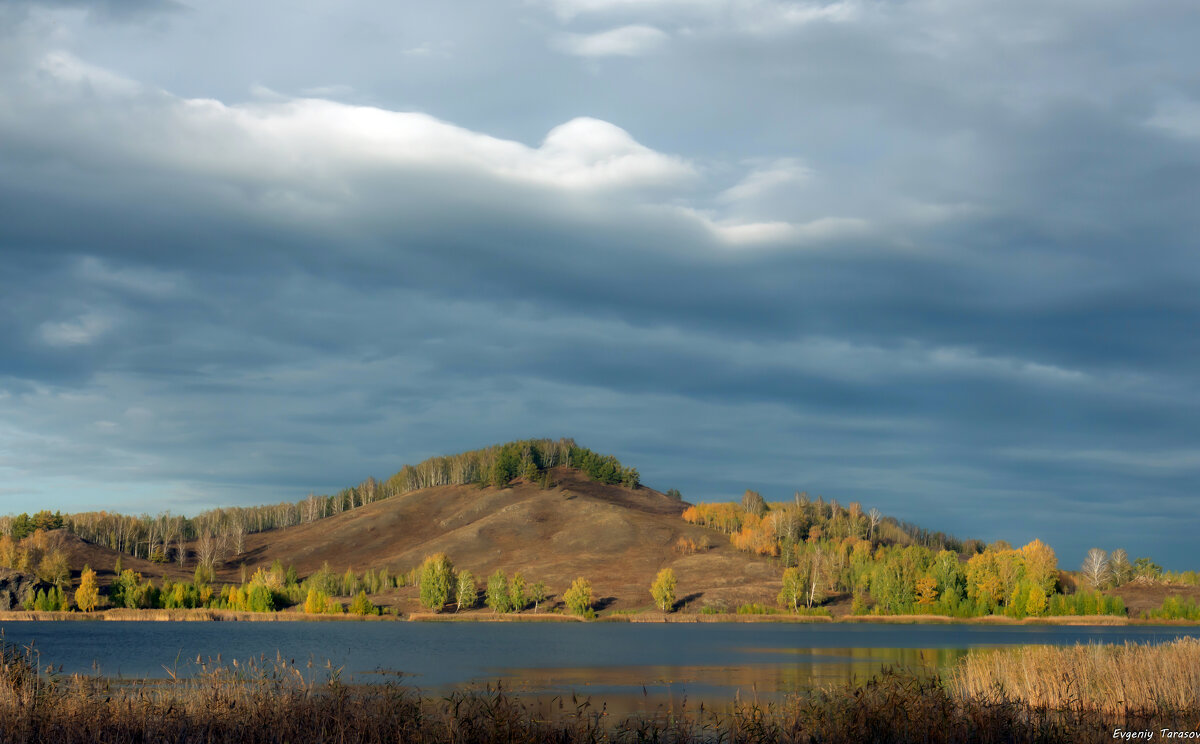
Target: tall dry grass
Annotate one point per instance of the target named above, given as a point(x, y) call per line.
point(275, 701)
point(1146, 678)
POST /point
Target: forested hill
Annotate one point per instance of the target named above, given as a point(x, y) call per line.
point(165, 537)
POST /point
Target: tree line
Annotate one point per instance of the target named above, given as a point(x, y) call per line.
point(216, 535)
point(890, 567)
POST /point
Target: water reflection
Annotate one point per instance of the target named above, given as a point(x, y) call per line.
point(769, 675)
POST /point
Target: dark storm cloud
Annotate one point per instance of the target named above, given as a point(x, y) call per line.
point(936, 257)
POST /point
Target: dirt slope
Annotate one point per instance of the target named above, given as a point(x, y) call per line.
point(1141, 597)
point(102, 560)
point(616, 537)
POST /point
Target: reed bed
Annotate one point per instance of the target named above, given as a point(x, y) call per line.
point(272, 700)
point(1156, 680)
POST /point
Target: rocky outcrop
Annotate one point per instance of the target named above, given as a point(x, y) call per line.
point(16, 587)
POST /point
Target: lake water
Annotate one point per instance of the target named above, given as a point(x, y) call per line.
point(656, 662)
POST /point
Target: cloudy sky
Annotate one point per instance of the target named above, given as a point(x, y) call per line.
point(938, 256)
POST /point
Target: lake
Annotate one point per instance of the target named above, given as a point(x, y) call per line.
point(654, 662)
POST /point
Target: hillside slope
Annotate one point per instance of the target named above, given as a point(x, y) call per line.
point(616, 537)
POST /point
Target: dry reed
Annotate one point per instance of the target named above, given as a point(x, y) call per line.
point(275, 701)
point(1144, 678)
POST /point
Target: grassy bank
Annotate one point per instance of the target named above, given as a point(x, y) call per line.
point(183, 615)
point(645, 617)
point(1029, 695)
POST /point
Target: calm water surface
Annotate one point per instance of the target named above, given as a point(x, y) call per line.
point(701, 660)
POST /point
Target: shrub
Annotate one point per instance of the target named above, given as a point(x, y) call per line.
point(363, 606)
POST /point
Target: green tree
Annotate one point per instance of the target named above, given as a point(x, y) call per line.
point(497, 592)
point(793, 590)
point(362, 606)
point(436, 579)
point(350, 583)
point(537, 595)
point(663, 590)
point(579, 597)
point(203, 575)
point(54, 568)
point(466, 594)
point(516, 593)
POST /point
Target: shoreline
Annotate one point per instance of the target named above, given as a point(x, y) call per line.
point(208, 615)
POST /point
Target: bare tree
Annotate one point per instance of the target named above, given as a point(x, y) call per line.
point(1096, 569)
point(206, 550)
point(873, 518)
point(1118, 563)
point(238, 531)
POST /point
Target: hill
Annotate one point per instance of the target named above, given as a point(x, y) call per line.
point(615, 536)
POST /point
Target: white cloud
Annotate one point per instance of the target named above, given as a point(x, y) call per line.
point(71, 72)
point(766, 178)
point(1180, 118)
point(746, 16)
point(1177, 460)
point(312, 145)
point(138, 281)
point(81, 331)
point(745, 233)
point(626, 41)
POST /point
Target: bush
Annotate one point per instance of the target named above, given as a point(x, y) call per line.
point(363, 606)
point(755, 608)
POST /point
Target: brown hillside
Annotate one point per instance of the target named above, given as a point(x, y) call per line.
point(615, 537)
point(80, 553)
point(1142, 597)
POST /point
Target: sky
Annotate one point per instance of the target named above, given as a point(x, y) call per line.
point(935, 256)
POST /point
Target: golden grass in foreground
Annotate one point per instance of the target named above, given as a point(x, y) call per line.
point(1152, 679)
point(273, 701)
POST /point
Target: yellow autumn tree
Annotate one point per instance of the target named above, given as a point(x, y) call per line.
point(663, 590)
point(1036, 604)
point(579, 597)
point(1041, 565)
point(927, 592)
point(87, 596)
